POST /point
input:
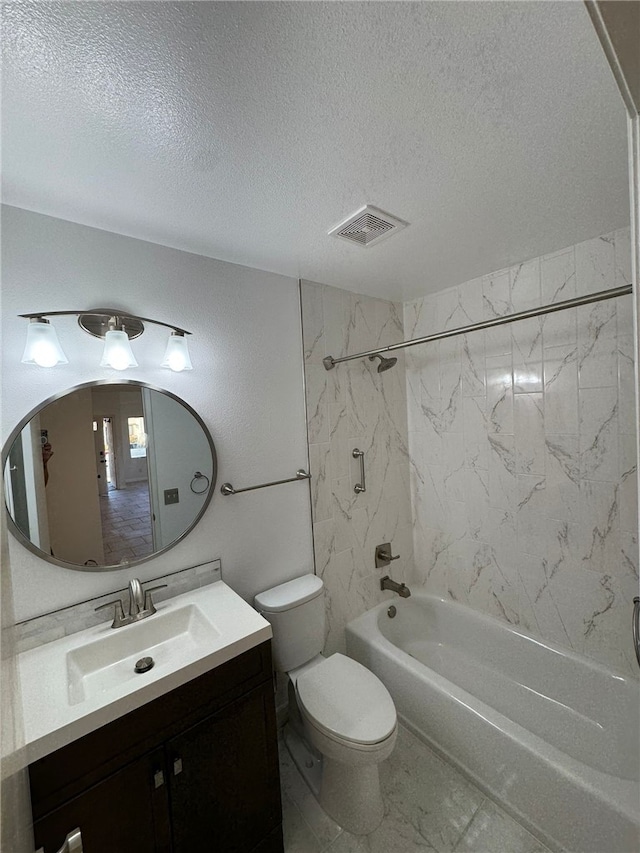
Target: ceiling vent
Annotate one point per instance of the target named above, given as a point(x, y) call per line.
point(368, 226)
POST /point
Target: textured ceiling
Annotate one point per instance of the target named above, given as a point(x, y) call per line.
point(245, 131)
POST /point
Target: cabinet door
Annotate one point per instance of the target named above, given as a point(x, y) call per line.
point(125, 813)
point(224, 779)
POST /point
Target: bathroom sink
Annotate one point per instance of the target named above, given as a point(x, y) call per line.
point(77, 683)
point(108, 662)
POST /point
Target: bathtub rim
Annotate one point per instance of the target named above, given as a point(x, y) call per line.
point(556, 648)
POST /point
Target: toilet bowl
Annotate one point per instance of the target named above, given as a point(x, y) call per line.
point(349, 717)
point(338, 709)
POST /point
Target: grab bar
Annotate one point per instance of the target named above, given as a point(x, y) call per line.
point(227, 489)
point(635, 625)
point(361, 486)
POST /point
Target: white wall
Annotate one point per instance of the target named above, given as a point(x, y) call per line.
point(246, 385)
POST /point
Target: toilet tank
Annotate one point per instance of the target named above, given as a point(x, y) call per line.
point(295, 610)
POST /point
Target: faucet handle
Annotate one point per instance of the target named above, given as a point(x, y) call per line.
point(383, 555)
point(386, 555)
point(148, 601)
point(118, 613)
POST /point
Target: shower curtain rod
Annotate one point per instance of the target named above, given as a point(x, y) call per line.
point(330, 362)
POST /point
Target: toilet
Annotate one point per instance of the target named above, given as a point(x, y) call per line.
point(342, 720)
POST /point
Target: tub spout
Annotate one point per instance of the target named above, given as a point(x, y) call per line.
point(401, 588)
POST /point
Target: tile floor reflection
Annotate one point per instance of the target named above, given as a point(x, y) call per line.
point(429, 806)
point(126, 523)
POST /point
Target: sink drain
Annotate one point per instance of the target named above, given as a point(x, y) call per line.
point(144, 665)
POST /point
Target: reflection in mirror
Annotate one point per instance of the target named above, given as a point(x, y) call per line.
point(104, 474)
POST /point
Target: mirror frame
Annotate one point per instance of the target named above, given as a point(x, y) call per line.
point(22, 539)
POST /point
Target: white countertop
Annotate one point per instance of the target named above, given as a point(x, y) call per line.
point(52, 720)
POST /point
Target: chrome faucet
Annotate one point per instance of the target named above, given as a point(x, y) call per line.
point(401, 588)
point(140, 604)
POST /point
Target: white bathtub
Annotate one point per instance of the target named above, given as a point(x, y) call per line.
point(552, 735)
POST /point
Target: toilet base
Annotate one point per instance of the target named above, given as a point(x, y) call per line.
point(307, 760)
point(351, 795)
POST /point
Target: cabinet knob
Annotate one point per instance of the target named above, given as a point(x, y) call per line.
point(177, 766)
point(158, 778)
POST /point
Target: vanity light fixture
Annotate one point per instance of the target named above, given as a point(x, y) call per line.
point(42, 347)
point(112, 326)
point(177, 356)
point(117, 351)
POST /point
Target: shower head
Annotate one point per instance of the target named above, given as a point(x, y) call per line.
point(385, 363)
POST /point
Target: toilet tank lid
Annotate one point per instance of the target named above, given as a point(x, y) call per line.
point(289, 594)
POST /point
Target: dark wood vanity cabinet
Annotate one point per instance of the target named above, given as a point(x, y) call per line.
point(193, 771)
point(122, 813)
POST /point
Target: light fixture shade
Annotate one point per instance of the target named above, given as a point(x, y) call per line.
point(176, 356)
point(117, 351)
point(43, 347)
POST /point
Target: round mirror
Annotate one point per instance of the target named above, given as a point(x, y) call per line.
point(108, 474)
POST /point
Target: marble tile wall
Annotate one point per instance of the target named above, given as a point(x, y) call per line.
point(354, 406)
point(522, 450)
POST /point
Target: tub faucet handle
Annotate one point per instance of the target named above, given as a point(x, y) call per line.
point(383, 555)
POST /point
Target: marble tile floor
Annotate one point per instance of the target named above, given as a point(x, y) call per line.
point(429, 807)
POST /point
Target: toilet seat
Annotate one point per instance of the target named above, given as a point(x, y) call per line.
point(347, 702)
